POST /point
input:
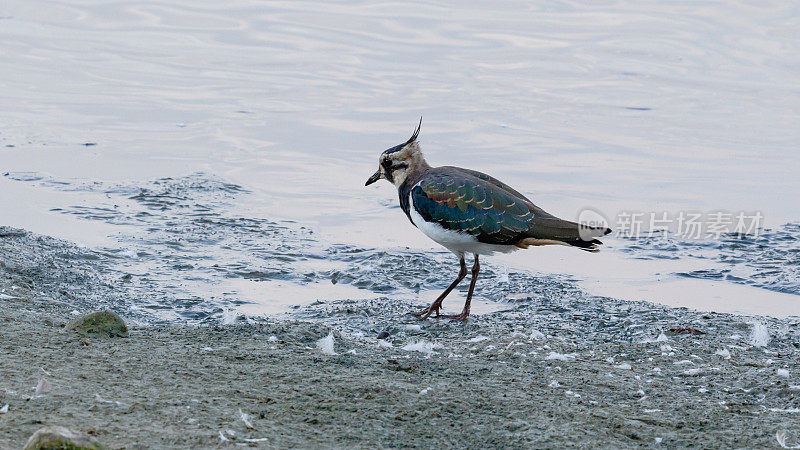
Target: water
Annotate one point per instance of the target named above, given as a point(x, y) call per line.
point(264, 120)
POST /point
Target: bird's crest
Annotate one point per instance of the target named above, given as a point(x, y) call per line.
point(416, 133)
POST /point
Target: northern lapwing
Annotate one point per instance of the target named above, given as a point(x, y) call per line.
point(470, 212)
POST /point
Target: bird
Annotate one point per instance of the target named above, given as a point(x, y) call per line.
point(467, 211)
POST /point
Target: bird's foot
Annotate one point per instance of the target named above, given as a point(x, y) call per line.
point(425, 313)
point(463, 317)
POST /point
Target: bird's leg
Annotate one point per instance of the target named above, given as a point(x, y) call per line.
point(465, 313)
point(437, 304)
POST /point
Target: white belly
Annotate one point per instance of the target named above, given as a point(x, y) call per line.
point(456, 242)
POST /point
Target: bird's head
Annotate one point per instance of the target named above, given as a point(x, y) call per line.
point(397, 162)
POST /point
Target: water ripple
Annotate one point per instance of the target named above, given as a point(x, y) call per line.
point(769, 260)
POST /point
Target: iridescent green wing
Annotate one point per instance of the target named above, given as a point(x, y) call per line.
point(461, 202)
point(538, 212)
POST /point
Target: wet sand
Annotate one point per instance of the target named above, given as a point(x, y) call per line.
point(546, 372)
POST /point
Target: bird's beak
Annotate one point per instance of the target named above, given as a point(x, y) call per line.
point(375, 177)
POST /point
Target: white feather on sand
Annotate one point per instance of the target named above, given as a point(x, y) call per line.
point(780, 436)
point(699, 371)
point(42, 387)
point(759, 335)
point(561, 356)
point(325, 345)
point(506, 347)
point(723, 352)
point(246, 419)
point(229, 317)
point(4, 409)
point(422, 347)
point(661, 338)
point(536, 335)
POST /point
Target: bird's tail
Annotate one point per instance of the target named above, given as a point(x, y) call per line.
point(555, 231)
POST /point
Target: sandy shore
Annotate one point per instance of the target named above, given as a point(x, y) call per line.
point(544, 373)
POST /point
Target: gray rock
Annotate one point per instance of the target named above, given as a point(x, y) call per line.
point(99, 322)
point(61, 438)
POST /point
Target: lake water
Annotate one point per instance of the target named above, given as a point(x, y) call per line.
point(221, 149)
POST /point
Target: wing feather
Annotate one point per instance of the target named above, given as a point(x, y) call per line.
point(474, 206)
point(467, 201)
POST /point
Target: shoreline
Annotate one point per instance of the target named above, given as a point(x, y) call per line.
point(548, 371)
